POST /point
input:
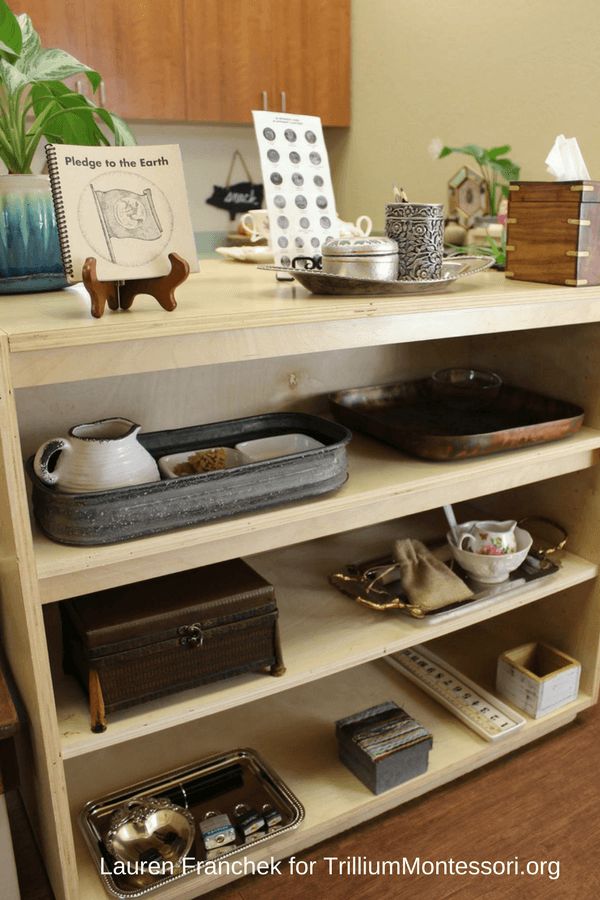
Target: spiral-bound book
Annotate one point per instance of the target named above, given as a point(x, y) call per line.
point(125, 206)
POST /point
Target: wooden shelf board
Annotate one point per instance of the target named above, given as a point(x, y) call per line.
point(295, 733)
point(383, 484)
point(323, 632)
point(229, 312)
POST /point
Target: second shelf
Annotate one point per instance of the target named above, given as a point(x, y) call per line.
point(384, 484)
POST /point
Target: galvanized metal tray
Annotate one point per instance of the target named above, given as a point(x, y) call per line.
point(106, 517)
point(217, 783)
point(342, 285)
point(409, 416)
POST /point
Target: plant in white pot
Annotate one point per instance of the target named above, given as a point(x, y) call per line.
point(36, 104)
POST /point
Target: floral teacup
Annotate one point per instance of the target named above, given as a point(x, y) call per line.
point(490, 538)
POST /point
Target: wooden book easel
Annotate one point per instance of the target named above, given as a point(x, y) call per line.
point(121, 294)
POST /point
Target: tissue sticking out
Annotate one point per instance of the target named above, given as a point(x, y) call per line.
point(565, 161)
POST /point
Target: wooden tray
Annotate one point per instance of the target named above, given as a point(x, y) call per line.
point(410, 417)
point(107, 517)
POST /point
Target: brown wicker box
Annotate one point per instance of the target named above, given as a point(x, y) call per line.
point(134, 643)
point(554, 232)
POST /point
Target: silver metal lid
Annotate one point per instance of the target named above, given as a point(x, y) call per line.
point(359, 246)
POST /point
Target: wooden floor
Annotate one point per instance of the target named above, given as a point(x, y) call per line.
point(541, 803)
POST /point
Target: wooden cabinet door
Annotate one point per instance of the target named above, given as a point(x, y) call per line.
point(137, 46)
point(228, 52)
point(311, 40)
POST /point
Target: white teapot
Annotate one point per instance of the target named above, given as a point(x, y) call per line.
point(97, 456)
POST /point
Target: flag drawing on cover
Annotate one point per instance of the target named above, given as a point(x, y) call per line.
point(126, 214)
point(125, 207)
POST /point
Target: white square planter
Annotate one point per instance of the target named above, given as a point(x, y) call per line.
point(537, 678)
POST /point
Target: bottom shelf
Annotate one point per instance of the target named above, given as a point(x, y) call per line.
point(294, 732)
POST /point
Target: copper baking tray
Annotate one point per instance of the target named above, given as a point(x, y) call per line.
point(410, 417)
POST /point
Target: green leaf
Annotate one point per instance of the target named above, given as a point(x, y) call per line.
point(40, 64)
point(11, 40)
point(495, 152)
point(13, 80)
point(123, 135)
point(507, 168)
point(31, 43)
point(56, 65)
point(473, 150)
point(68, 117)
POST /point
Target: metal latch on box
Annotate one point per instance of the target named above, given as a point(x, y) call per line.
point(191, 635)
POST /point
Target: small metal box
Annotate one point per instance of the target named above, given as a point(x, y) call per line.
point(383, 746)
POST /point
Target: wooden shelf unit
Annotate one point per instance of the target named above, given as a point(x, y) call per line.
point(239, 343)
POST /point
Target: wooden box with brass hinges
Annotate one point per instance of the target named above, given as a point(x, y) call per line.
point(554, 232)
point(134, 643)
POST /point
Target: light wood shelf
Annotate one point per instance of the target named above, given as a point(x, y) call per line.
point(322, 632)
point(51, 350)
point(229, 312)
point(383, 484)
point(295, 732)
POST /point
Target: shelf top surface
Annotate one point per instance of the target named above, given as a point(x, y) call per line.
point(226, 296)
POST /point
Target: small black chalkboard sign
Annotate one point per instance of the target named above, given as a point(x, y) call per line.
point(239, 197)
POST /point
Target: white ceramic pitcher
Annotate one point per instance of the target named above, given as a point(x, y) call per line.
point(97, 456)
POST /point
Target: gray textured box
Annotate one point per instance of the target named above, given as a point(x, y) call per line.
point(404, 756)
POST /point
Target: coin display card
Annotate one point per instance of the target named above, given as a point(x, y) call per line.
point(298, 189)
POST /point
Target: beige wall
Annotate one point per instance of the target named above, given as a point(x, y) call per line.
point(509, 71)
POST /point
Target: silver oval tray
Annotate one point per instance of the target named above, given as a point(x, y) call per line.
point(341, 285)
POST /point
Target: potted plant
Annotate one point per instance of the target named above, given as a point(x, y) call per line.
point(495, 166)
point(36, 104)
point(496, 170)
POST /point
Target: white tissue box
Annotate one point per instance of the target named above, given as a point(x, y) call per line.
point(537, 678)
point(554, 232)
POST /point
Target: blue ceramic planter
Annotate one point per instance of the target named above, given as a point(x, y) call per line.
point(28, 233)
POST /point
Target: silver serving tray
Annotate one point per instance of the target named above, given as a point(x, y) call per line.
point(341, 285)
point(259, 784)
point(390, 595)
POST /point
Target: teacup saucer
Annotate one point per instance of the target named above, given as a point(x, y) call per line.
point(247, 253)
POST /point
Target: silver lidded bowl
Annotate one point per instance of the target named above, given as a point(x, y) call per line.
point(151, 829)
point(370, 257)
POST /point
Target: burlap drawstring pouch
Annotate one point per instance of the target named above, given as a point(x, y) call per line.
point(427, 582)
point(414, 580)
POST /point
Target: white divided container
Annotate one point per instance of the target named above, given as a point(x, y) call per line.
point(537, 678)
point(278, 445)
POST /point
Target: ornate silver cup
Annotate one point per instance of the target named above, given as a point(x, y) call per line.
point(418, 229)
